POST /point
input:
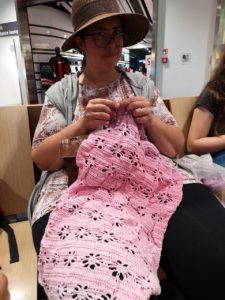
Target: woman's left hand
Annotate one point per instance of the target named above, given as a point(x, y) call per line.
point(167, 138)
point(140, 108)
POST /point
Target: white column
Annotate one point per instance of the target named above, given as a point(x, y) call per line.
point(186, 29)
point(12, 75)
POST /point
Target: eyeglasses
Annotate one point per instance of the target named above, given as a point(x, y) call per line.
point(103, 39)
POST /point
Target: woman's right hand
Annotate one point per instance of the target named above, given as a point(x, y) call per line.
point(97, 114)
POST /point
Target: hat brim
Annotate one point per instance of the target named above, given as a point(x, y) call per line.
point(135, 26)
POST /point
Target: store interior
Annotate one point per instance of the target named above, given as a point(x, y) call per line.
point(43, 34)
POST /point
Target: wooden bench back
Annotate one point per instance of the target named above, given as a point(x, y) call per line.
point(33, 116)
point(16, 167)
point(182, 109)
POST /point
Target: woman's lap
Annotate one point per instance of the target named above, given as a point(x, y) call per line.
point(194, 245)
point(38, 230)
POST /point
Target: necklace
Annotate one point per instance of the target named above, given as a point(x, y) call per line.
point(84, 79)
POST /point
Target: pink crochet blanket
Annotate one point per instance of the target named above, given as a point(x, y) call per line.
point(103, 241)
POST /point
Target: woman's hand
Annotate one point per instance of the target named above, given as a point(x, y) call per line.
point(140, 108)
point(167, 138)
point(97, 114)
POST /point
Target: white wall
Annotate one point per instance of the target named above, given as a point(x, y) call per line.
point(7, 11)
point(12, 74)
point(9, 78)
point(184, 27)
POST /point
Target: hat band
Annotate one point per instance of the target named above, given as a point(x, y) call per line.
point(91, 10)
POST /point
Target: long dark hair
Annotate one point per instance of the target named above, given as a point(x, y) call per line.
point(216, 90)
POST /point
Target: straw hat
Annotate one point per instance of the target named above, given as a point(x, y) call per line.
point(88, 12)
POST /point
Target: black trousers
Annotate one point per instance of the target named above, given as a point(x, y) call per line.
point(193, 252)
point(38, 230)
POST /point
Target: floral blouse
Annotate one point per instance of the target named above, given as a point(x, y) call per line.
point(52, 121)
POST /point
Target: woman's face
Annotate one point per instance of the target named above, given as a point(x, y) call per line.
point(102, 43)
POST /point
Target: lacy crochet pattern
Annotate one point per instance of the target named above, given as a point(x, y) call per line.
point(103, 241)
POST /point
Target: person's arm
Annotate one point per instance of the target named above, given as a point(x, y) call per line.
point(46, 154)
point(198, 141)
point(167, 138)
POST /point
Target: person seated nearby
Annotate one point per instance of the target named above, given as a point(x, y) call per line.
point(207, 130)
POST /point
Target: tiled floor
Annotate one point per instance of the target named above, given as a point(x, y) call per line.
point(22, 278)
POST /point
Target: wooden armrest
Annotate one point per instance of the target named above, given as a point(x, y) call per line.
point(68, 151)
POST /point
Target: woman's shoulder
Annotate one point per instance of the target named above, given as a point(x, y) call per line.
point(207, 100)
point(60, 88)
point(138, 78)
point(66, 82)
point(63, 92)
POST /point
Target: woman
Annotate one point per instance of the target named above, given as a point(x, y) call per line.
point(207, 131)
point(126, 190)
point(87, 104)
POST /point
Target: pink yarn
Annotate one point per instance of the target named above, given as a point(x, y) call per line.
point(104, 239)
